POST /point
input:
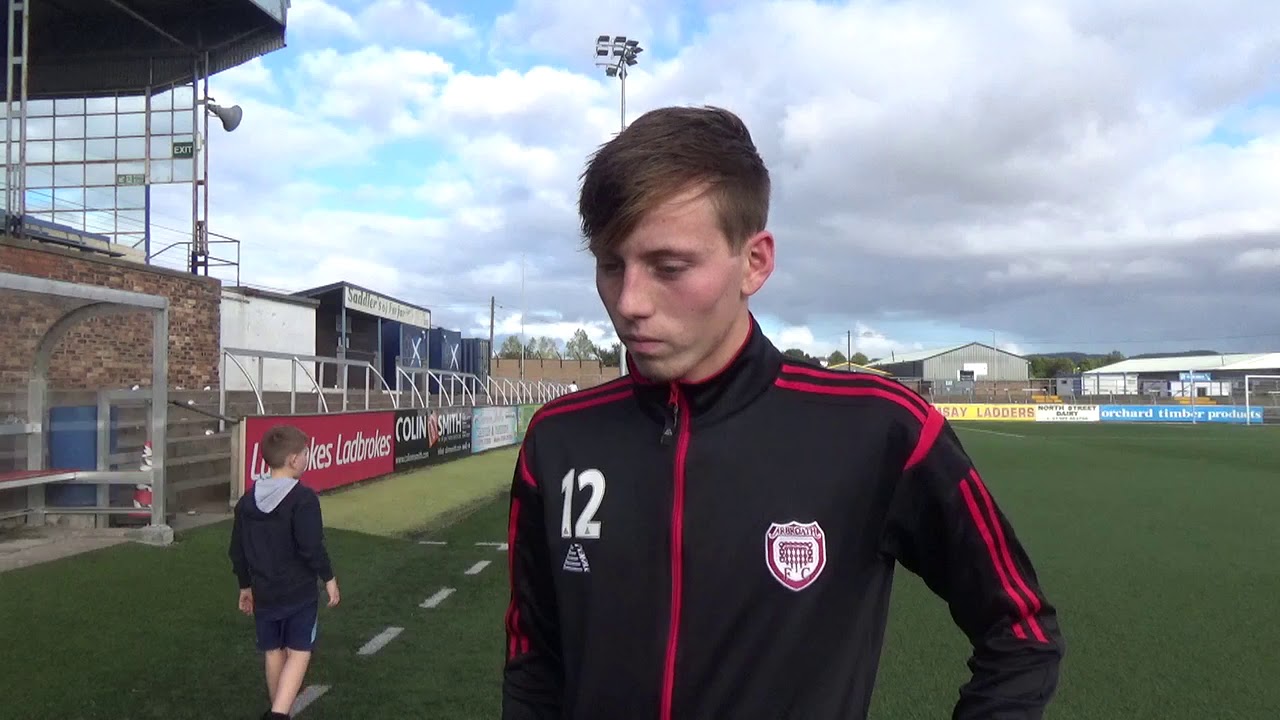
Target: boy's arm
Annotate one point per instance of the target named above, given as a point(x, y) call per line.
point(532, 680)
point(945, 527)
point(308, 536)
point(239, 563)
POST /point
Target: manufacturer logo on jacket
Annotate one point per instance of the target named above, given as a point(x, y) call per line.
point(795, 553)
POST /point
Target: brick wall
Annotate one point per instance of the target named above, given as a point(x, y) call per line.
point(109, 351)
point(587, 373)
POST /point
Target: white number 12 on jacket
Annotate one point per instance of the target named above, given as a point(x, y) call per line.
point(587, 526)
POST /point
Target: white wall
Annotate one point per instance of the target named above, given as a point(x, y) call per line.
point(1098, 384)
point(259, 323)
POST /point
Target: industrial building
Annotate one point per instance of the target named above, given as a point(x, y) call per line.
point(969, 362)
point(1204, 376)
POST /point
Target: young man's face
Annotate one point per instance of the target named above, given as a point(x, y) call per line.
point(677, 293)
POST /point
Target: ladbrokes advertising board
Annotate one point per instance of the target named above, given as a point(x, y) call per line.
point(429, 436)
point(1003, 413)
point(345, 447)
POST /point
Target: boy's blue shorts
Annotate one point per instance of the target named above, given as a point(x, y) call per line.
point(293, 627)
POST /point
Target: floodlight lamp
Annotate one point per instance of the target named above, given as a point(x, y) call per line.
point(602, 39)
point(620, 39)
point(611, 71)
point(230, 116)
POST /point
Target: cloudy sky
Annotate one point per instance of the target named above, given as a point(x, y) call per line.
point(1076, 174)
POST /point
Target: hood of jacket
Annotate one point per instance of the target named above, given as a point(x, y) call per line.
point(269, 491)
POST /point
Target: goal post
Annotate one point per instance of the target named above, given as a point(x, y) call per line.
point(1261, 391)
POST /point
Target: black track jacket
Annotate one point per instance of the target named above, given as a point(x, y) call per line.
point(725, 550)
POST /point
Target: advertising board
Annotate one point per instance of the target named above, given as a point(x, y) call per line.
point(430, 436)
point(493, 427)
point(522, 423)
point(1227, 414)
point(345, 447)
point(1067, 413)
point(1001, 413)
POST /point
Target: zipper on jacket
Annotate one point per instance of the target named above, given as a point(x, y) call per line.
point(673, 420)
point(681, 433)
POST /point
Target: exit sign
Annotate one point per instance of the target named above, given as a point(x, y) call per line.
point(184, 149)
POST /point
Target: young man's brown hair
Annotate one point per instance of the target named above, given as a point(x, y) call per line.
point(279, 443)
point(662, 154)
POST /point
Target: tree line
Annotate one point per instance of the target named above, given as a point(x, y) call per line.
point(579, 347)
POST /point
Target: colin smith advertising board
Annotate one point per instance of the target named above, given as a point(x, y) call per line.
point(429, 436)
point(1002, 413)
point(1068, 413)
point(345, 447)
point(494, 427)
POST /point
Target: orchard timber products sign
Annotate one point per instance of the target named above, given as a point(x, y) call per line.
point(386, 308)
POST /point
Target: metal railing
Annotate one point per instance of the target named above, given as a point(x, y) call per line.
point(413, 386)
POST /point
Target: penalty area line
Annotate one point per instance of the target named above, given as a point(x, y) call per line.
point(309, 694)
point(439, 597)
point(379, 641)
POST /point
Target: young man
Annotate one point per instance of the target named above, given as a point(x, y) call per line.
point(714, 536)
point(277, 552)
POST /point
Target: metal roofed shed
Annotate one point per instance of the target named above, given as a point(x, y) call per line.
point(355, 323)
point(969, 362)
point(1187, 377)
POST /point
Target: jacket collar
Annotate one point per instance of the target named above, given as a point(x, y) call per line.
point(751, 371)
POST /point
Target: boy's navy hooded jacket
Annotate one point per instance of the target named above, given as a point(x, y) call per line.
point(277, 543)
point(726, 549)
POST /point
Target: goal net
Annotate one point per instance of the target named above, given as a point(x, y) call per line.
point(1262, 399)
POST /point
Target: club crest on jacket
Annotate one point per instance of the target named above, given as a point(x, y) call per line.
point(796, 553)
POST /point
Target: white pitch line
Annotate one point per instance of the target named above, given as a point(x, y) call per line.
point(500, 547)
point(435, 600)
point(432, 542)
point(308, 695)
point(475, 569)
point(379, 641)
point(989, 432)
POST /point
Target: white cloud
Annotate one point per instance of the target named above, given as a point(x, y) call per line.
point(1039, 168)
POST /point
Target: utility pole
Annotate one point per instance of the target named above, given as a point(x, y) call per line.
point(493, 302)
point(848, 358)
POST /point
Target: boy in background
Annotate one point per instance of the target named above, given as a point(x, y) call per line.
point(277, 552)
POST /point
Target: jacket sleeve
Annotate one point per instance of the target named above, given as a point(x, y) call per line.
point(308, 535)
point(945, 526)
point(533, 682)
point(239, 562)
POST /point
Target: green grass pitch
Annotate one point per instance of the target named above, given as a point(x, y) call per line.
point(1157, 543)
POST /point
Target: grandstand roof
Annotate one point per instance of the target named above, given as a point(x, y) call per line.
point(1269, 361)
point(88, 48)
point(1188, 363)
